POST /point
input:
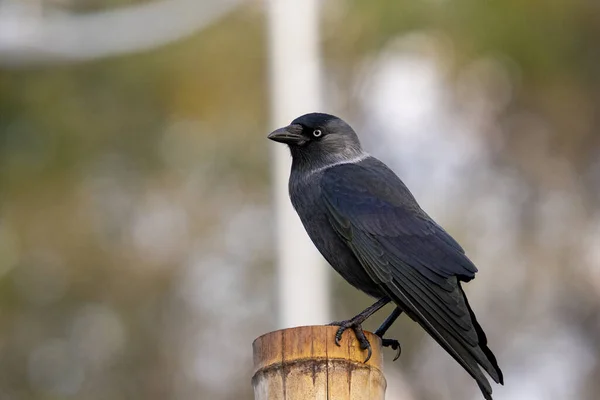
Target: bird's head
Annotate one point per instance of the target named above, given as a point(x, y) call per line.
point(317, 140)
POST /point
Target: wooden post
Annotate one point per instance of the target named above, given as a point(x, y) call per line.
point(304, 363)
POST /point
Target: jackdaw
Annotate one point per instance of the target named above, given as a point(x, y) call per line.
point(369, 227)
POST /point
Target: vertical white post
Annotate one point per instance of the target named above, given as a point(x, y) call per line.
point(295, 79)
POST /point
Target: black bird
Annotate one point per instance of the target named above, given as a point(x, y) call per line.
point(369, 227)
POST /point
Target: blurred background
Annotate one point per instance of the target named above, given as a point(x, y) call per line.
point(137, 231)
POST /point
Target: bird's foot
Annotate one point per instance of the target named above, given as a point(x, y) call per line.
point(394, 345)
point(355, 325)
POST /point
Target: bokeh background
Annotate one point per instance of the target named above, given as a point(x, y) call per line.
point(136, 222)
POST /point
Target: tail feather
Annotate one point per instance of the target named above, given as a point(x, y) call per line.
point(483, 342)
point(464, 357)
point(467, 356)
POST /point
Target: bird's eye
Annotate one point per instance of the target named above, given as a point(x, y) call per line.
point(317, 133)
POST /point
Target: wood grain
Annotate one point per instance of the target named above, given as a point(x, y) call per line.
point(305, 363)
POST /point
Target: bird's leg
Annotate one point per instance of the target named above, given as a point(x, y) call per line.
point(393, 343)
point(356, 325)
point(388, 322)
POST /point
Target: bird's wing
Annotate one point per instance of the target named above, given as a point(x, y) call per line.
point(412, 258)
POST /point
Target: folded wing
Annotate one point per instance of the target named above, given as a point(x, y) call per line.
point(413, 259)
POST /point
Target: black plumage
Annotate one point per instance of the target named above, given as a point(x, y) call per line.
point(369, 227)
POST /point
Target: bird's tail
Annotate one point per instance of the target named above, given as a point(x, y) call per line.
point(483, 342)
point(469, 357)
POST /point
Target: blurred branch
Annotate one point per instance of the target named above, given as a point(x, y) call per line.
point(28, 36)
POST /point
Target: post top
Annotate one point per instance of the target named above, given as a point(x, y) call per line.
point(313, 343)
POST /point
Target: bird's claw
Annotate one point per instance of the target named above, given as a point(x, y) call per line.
point(358, 332)
point(394, 345)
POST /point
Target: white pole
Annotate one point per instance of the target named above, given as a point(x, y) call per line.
point(295, 78)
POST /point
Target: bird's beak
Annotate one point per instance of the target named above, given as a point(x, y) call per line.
point(291, 134)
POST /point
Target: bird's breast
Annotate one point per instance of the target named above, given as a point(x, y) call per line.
point(309, 204)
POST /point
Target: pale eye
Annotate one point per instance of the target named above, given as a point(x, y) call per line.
point(317, 133)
